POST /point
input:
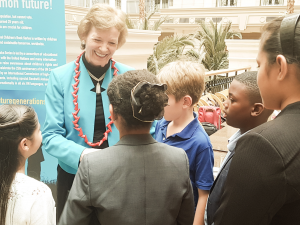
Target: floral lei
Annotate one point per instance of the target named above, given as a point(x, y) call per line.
point(77, 109)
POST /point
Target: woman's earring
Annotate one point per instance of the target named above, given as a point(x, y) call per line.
point(83, 42)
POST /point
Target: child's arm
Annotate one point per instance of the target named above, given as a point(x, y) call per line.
point(200, 210)
point(204, 180)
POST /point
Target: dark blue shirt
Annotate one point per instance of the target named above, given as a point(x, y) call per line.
point(195, 142)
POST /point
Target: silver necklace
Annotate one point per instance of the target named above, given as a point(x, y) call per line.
point(98, 89)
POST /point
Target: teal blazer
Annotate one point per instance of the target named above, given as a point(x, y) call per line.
point(60, 139)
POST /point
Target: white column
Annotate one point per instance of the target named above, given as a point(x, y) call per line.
point(210, 4)
point(177, 4)
point(112, 3)
point(124, 5)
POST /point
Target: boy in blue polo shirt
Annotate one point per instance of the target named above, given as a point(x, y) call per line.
point(180, 127)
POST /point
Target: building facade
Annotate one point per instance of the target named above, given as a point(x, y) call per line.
point(247, 17)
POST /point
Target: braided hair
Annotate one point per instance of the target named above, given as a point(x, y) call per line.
point(152, 99)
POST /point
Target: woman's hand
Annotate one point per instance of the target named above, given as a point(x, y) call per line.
point(87, 151)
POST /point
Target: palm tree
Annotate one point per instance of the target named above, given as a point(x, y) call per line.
point(168, 50)
point(144, 24)
point(290, 6)
point(213, 38)
point(142, 10)
point(130, 24)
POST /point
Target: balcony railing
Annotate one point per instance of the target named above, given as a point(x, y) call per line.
point(215, 85)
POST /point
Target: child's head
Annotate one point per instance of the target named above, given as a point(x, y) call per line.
point(244, 109)
point(20, 137)
point(19, 131)
point(137, 98)
point(278, 60)
point(185, 81)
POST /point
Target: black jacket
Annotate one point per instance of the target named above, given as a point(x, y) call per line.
point(263, 183)
point(216, 191)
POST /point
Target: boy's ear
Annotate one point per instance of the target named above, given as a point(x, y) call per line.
point(187, 101)
point(257, 109)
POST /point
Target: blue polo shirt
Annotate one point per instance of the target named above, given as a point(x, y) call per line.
point(195, 142)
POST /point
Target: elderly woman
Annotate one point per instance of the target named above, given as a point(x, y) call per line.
point(78, 118)
point(138, 181)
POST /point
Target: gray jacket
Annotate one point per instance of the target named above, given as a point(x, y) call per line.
point(137, 181)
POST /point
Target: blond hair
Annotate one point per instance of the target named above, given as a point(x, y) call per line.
point(183, 78)
point(103, 17)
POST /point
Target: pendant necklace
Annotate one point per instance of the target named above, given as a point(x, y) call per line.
point(98, 89)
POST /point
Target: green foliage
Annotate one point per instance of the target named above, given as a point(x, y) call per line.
point(213, 38)
point(130, 24)
point(168, 50)
point(212, 51)
point(144, 24)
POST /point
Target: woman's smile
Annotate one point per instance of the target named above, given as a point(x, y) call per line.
point(101, 45)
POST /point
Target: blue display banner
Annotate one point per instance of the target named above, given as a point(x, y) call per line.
point(32, 43)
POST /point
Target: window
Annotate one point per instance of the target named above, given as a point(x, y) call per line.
point(268, 19)
point(227, 2)
point(151, 5)
point(217, 19)
point(132, 6)
point(271, 2)
point(118, 4)
point(184, 20)
point(198, 20)
point(165, 4)
point(100, 1)
point(80, 3)
point(171, 20)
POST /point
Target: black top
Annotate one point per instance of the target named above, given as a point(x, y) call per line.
point(263, 182)
point(100, 126)
point(216, 191)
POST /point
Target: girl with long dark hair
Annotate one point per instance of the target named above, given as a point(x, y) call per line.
point(23, 200)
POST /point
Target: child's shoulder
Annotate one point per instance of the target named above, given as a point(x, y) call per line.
point(26, 186)
point(200, 138)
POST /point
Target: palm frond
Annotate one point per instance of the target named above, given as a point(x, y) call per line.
point(130, 24)
point(159, 22)
point(213, 41)
point(168, 50)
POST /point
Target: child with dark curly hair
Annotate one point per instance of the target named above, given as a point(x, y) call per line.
point(138, 180)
